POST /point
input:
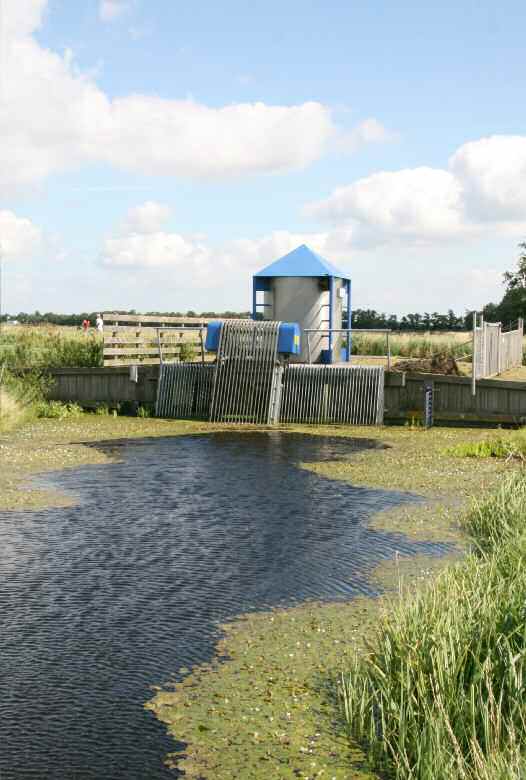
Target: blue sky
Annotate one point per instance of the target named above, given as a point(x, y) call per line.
point(156, 154)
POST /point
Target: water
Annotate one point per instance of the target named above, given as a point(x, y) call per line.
point(100, 601)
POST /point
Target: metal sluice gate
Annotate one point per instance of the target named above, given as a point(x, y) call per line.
point(245, 378)
point(334, 394)
point(249, 383)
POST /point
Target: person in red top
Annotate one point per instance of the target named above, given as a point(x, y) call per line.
point(85, 325)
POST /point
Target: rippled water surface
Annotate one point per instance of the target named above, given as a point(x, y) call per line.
point(102, 600)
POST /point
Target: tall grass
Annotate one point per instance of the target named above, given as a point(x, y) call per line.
point(511, 446)
point(410, 345)
point(55, 347)
point(27, 347)
point(20, 396)
point(12, 412)
point(441, 694)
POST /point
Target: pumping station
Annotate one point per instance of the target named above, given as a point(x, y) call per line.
point(289, 363)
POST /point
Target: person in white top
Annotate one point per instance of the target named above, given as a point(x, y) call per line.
point(99, 322)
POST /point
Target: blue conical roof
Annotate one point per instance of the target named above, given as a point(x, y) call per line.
point(302, 261)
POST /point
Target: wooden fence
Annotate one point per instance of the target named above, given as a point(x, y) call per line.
point(497, 401)
point(145, 339)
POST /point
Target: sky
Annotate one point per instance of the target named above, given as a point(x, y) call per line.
point(154, 155)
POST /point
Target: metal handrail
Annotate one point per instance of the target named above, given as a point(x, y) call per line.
point(329, 331)
point(200, 328)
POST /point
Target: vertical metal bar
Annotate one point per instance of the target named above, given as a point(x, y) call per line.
point(499, 349)
point(239, 365)
point(484, 346)
point(349, 321)
point(311, 399)
point(354, 393)
point(367, 396)
point(331, 317)
point(346, 390)
point(159, 391)
point(474, 360)
point(323, 394)
point(362, 394)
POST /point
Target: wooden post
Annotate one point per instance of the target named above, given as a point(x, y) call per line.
point(160, 346)
point(202, 346)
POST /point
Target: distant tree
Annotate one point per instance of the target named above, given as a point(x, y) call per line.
point(517, 279)
point(491, 312)
point(454, 322)
point(513, 304)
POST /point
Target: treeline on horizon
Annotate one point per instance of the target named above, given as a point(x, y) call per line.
point(360, 318)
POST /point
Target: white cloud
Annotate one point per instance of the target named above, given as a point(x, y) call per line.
point(21, 17)
point(182, 137)
point(79, 124)
point(483, 191)
point(147, 218)
point(19, 237)
point(407, 205)
point(200, 274)
point(369, 131)
point(109, 10)
point(142, 243)
point(151, 250)
point(492, 172)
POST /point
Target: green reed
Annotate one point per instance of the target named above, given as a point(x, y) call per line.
point(440, 694)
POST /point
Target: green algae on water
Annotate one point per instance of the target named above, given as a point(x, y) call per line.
point(266, 706)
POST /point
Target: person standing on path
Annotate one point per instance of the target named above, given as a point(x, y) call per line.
point(99, 323)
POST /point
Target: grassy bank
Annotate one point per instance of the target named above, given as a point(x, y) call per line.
point(20, 397)
point(440, 695)
point(22, 394)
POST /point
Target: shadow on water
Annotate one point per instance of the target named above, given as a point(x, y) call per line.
point(101, 600)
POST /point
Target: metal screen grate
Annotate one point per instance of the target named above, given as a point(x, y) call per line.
point(184, 390)
point(333, 394)
point(246, 376)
